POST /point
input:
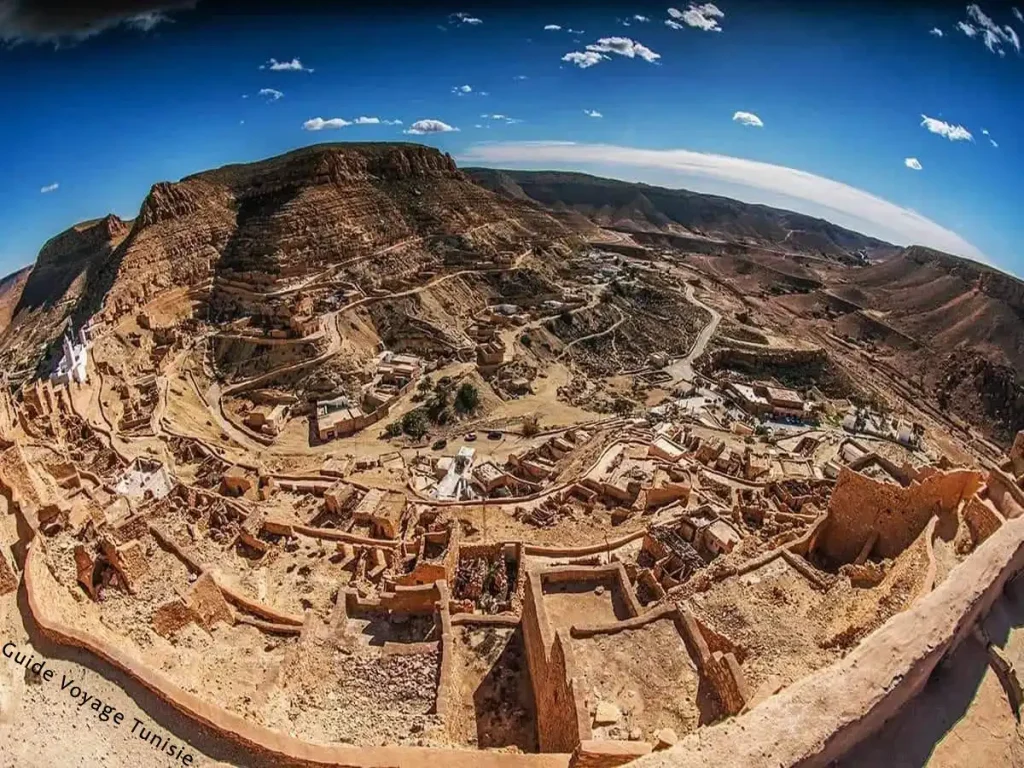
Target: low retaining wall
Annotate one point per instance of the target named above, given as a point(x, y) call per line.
point(267, 742)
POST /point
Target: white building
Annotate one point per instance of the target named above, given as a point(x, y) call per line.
point(73, 363)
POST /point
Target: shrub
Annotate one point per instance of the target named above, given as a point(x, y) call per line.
point(394, 429)
point(414, 423)
point(531, 425)
point(467, 398)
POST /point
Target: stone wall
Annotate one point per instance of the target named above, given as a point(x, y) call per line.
point(562, 723)
point(861, 506)
point(803, 726)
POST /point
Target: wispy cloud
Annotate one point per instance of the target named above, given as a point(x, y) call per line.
point(271, 94)
point(462, 89)
point(421, 127)
point(912, 163)
point(641, 18)
point(748, 118)
point(572, 31)
point(990, 139)
point(285, 66)
point(968, 29)
point(949, 130)
point(994, 35)
point(520, 77)
point(700, 16)
point(464, 18)
point(592, 113)
point(748, 179)
point(936, 31)
point(584, 59)
point(1019, 15)
point(501, 118)
point(673, 24)
point(552, 27)
point(319, 124)
point(49, 188)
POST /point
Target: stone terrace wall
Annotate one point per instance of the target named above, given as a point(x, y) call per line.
point(861, 506)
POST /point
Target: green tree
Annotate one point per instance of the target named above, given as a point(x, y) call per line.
point(467, 398)
point(414, 423)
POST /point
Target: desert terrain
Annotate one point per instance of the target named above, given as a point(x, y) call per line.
point(354, 457)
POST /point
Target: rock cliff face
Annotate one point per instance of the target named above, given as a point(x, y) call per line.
point(304, 211)
point(54, 291)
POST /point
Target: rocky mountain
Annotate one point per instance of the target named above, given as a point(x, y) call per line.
point(642, 207)
point(384, 211)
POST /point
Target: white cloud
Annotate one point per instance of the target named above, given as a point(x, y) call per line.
point(421, 127)
point(552, 27)
point(464, 18)
point(583, 60)
point(271, 94)
point(520, 77)
point(572, 31)
point(319, 124)
point(993, 35)
point(641, 18)
point(503, 118)
point(993, 143)
point(935, 31)
point(285, 66)
point(673, 24)
point(49, 188)
point(592, 113)
point(624, 46)
point(748, 118)
point(912, 163)
point(942, 128)
point(367, 121)
point(747, 179)
point(1019, 15)
point(703, 16)
point(245, 95)
point(461, 89)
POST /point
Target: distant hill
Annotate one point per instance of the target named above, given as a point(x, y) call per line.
point(643, 208)
point(946, 301)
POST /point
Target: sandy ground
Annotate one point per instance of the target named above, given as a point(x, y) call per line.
point(41, 726)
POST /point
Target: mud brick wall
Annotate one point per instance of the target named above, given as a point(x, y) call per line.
point(861, 506)
point(1005, 494)
point(561, 721)
point(981, 519)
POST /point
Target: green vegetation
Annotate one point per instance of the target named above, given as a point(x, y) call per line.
point(415, 424)
point(467, 398)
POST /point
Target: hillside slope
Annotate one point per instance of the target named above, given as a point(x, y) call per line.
point(54, 288)
point(385, 212)
point(642, 207)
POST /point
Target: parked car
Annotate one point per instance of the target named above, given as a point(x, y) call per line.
point(439, 444)
point(494, 434)
point(470, 437)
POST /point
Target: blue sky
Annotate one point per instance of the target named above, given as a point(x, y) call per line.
point(841, 96)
